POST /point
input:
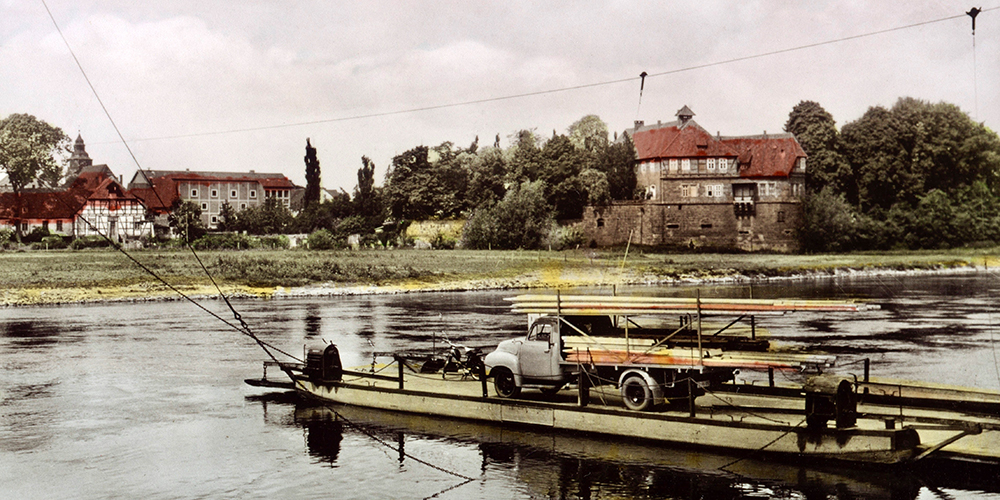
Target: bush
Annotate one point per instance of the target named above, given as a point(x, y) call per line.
point(567, 237)
point(35, 236)
point(275, 241)
point(321, 239)
point(225, 241)
point(90, 242)
point(442, 241)
point(51, 242)
point(6, 236)
point(521, 220)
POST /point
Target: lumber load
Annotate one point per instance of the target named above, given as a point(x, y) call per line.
point(590, 305)
point(620, 351)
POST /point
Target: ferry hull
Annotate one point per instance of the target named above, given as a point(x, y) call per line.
point(781, 435)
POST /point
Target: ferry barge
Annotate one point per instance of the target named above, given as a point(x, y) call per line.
point(624, 378)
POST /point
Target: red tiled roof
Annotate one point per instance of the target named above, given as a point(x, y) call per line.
point(44, 205)
point(162, 199)
point(62, 204)
point(766, 156)
point(674, 140)
point(759, 156)
point(167, 181)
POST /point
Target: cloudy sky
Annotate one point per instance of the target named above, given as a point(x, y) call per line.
point(221, 85)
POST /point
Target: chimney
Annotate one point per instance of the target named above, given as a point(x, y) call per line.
point(638, 123)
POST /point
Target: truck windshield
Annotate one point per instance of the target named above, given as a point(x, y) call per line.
point(540, 332)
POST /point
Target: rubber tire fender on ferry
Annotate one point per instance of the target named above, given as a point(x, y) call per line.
point(504, 383)
point(636, 393)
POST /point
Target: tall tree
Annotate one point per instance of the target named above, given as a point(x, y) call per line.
point(617, 161)
point(816, 131)
point(521, 220)
point(312, 176)
point(486, 182)
point(589, 133)
point(27, 153)
point(186, 221)
point(365, 196)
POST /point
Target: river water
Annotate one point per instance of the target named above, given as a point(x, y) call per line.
point(147, 400)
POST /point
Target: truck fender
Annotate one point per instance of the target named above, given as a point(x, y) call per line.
point(505, 359)
point(654, 386)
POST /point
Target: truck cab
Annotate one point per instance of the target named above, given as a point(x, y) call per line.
point(532, 361)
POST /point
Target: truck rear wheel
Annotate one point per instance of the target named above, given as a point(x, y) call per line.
point(636, 393)
point(504, 384)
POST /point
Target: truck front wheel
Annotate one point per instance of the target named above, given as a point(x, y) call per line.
point(503, 382)
point(636, 393)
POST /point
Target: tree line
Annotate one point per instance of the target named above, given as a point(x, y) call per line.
point(510, 196)
point(917, 175)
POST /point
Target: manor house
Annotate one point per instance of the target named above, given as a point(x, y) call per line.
point(705, 191)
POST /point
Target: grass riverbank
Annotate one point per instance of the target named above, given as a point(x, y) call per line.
point(52, 277)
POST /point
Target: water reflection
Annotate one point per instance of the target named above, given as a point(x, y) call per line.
point(561, 465)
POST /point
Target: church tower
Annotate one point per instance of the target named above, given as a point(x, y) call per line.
point(79, 159)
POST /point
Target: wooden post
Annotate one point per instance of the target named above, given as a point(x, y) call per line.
point(399, 363)
point(482, 378)
point(690, 396)
point(770, 376)
point(583, 389)
point(753, 328)
point(701, 354)
point(868, 362)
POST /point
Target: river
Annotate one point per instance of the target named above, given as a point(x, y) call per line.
point(147, 400)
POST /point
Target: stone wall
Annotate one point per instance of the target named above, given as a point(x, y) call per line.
point(694, 225)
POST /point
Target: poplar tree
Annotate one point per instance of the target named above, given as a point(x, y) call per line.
point(312, 176)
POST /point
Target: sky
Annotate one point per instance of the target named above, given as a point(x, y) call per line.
point(235, 86)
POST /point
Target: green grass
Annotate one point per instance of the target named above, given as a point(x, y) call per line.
point(108, 268)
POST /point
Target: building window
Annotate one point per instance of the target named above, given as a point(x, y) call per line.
point(59, 226)
point(673, 225)
point(673, 164)
point(711, 164)
point(652, 192)
point(215, 220)
point(706, 225)
point(215, 193)
point(600, 222)
point(194, 193)
point(689, 190)
point(234, 193)
point(204, 207)
point(781, 216)
point(686, 165)
point(243, 206)
point(723, 164)
point(710, 190)
point(253, 194)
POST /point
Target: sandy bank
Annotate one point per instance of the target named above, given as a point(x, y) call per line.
point(546, 278)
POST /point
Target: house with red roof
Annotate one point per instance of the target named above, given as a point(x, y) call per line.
point(161, 190)
point(90, 201)
point(709, 191)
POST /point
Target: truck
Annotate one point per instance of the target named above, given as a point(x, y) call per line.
point(626, 342)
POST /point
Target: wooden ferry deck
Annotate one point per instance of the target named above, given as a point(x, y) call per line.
point(729, 420)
